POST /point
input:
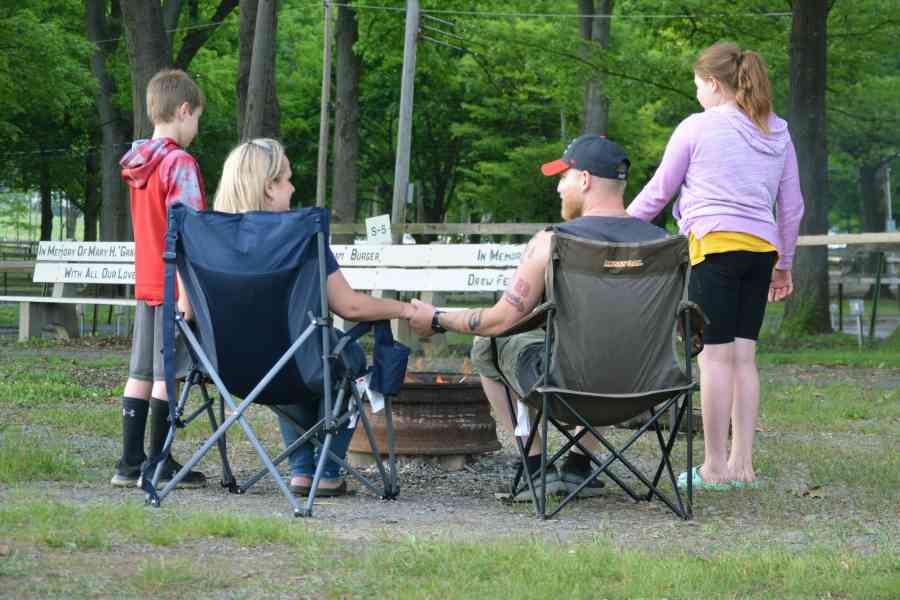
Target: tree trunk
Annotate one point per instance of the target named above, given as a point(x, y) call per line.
point(595, 33)
point(807, 309)
point(872, 206)
point(148, 53)
point(171, 13)
point(195, 38)
point(261, 113)
point(872, 217)
point(103, 31)
point(346, 122)
point(46, 200)
point(92, 196)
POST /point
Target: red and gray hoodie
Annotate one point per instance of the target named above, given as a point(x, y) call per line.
point(159, 173)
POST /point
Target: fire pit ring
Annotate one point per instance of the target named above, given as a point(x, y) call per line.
point(435, 414)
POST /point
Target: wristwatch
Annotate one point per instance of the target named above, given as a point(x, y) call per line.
point(435, 324)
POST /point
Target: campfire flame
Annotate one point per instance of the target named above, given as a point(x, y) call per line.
point(440, 380)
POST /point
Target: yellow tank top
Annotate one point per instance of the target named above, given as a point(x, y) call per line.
point(717, 242)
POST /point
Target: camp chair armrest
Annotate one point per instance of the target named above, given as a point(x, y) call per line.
point(342, 343)
point(536, 318)
point(698, 320)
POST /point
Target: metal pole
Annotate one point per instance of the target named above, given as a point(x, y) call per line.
point(321, 175)
point(889, 223)
point(404, 128)
point(875, 295)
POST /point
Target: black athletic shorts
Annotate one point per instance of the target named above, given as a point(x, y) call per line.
point(732, 289)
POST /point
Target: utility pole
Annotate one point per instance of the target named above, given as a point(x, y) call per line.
point(404, 128)
point(889, 223)
point(322, 172)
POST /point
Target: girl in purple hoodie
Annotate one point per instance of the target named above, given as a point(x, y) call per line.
point(735, 167)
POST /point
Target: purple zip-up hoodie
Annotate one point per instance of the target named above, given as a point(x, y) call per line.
point(732, 176)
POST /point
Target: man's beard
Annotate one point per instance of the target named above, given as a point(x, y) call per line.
point(570, 210)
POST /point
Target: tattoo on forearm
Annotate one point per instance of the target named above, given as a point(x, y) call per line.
point(517, 293)
point(475, 319)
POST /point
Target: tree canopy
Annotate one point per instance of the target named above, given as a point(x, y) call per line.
point(500, 88)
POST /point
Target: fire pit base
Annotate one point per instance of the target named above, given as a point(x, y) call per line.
point(437, 414)
point(447, 462)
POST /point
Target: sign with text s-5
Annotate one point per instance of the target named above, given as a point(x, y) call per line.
point(378, 229)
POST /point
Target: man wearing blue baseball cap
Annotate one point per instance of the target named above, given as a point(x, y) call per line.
point(592, 177)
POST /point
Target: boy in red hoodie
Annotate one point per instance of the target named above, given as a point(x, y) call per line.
point(160, 173)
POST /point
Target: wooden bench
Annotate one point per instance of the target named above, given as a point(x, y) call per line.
point(426, 269)
point(68, 265)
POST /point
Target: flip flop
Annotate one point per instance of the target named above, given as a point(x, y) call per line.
point(746, 485)
point(698, 483)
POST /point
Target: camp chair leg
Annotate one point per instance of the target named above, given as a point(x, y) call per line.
point(618, 454)
point(237, 415)
point(523, 451)
point(542, 512)
point(307, 511)
point(227, 480)
point(305, 436)
point(392, 488)
point(376, 452)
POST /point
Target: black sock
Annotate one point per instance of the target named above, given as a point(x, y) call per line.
point(134, 424)
point(159, 425)
point(576, 461)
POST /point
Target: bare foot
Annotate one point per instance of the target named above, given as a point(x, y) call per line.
point(741, 471)
point(709, 477)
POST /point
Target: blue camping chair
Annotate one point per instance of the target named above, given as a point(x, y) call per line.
point(262, 333)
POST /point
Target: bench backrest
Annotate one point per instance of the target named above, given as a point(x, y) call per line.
point(85, 262)
point(408, 267)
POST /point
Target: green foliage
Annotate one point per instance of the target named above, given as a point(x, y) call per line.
point(486, 115)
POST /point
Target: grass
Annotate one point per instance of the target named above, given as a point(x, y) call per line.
point(57, 524)
point(423, 568)
point(824, 407)
point(828, 449)
point(25, 458)
point(517, 569)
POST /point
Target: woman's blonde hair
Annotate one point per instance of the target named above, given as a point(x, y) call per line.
point(743, 73)
point(247, 170)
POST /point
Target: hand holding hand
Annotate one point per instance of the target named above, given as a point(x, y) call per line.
point(421, 319)
point(782, 285)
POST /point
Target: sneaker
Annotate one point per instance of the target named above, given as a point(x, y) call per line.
point(554, 485)
point(571, 477)
point(193, 479)
point(126, 475)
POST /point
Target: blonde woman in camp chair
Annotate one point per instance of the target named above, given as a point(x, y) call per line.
point(733, 164)
point(592, 176)
point(257, 177)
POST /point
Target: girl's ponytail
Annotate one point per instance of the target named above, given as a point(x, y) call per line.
point(753, 92)
point(743, 73)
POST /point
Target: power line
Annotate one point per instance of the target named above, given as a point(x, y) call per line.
point(492, 14)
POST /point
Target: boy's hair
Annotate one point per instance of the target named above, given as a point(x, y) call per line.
point(169, 89)
point(245, 173)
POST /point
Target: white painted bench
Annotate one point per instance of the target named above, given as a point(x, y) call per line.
point(427, 269)
point(66, 265)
